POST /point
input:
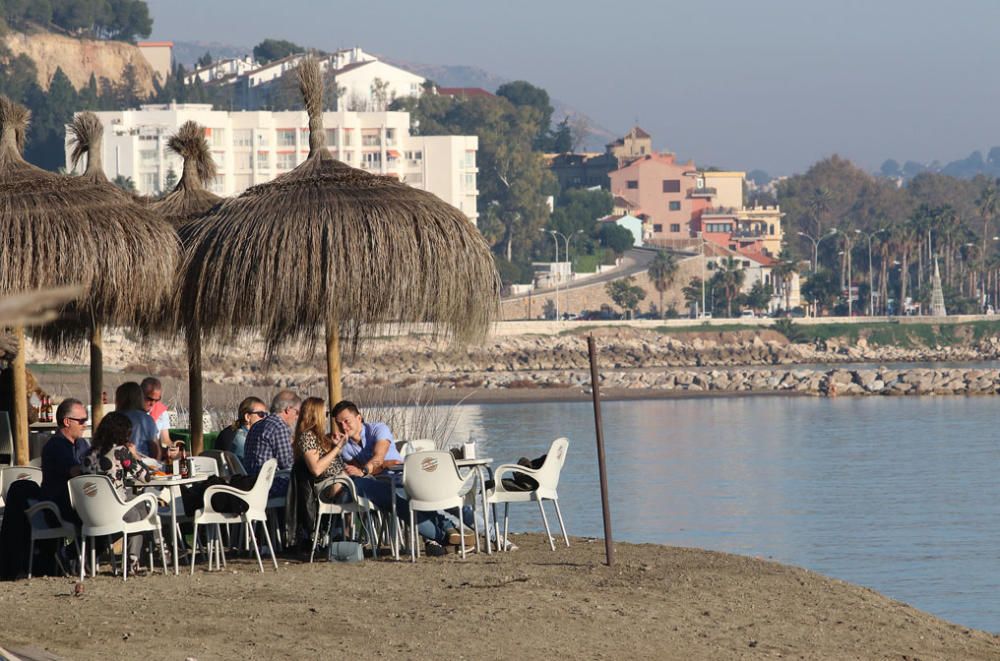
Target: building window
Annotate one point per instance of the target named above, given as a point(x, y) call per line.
point(347, 137)
point(150, 182)
point(244, 160)
point(263, 160)
point(348, 156)
point(242, 138)
point(632, 183)
point(286, 137)
point(262, 139)
point(286, 160)
point(147, 156)
point(470, 181)
point(746, 264)
point(719, 228)
point(675, 227)
point(216, 137)
point(390, 136)
point(372, 159)
point(304, 136)
point(772, 229)
point(675, 205)
point(331, 137)
point(671, 185)
point(470, 159)
point(370, 141)
point(657, 228)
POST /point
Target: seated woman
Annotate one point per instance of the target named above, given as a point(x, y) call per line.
point(112, 454)
point(144, 435)
point(233, 438)
point(320, 452)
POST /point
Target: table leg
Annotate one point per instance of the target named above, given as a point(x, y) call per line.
point(173, 530)
point(486, 511)
point(394, 524)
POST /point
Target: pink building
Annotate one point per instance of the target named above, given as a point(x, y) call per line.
point(663, 193)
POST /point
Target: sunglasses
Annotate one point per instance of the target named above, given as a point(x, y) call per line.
point(153, 399)
point(81, 421)
point(259, 414)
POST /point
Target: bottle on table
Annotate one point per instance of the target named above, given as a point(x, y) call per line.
point(184, 462)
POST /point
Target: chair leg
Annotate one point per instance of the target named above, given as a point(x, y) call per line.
point(252, 536)
point(163, 549)
point(461, 530)
point(319, 520)
point(125, 558)
point(220, 545)
point(83, 555)
point(93, 556)
point(545, 520)
point(506, 522)
point(194, 547)
point(270, 546)
point(372, 536)
point(31, 554)
point(413, 539)
point(562, 526)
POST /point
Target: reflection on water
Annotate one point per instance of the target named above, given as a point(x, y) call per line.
point(898, 494)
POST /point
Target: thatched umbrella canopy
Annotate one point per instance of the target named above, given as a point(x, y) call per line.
point(127, 256)
point(329, 248)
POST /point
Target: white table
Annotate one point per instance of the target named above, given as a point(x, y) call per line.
point(481, 466)
point(167, 482)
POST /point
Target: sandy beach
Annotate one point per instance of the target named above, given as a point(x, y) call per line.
point(656, 602)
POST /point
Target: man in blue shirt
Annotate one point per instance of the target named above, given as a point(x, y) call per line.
point(272, 438)
point(62, 456)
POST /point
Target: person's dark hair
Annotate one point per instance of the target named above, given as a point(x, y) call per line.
point(64, 408)
point(150, 383)
point(245, 407)
point(115, 429)
point(286, 399)
point(128, 397)
point(344, 405)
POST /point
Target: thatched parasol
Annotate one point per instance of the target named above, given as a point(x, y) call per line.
point(327, 247)
point(183, 207)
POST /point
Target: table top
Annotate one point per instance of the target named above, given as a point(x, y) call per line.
point(478, 461)
point(172, 481)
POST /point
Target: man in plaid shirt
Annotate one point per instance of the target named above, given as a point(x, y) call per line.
point(272, 438)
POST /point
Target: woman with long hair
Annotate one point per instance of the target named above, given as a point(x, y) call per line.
point(319, 451)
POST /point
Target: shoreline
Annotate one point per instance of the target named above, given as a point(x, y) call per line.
point(657, 601)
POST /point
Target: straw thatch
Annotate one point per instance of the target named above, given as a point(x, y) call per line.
point(189, 199)
point(123, 254)
point(326, 245)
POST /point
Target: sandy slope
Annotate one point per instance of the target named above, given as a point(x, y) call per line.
point(657, 602)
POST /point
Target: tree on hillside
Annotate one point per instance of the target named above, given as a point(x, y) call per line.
point(626, 294)
point(662, 271)
point(125, 183)
point(204, 61)
point(783, 273)
point(729, 278)
point(52, 110)
point(616, 238)
point(577, 210)
point(275, 49)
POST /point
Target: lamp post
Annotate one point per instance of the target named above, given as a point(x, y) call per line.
point(816, 242)
point(556, 241)
point(871, 277)
point(701, 245)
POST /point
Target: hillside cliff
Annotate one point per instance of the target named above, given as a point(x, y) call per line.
point(79, 58)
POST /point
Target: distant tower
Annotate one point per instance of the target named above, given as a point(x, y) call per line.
point(937, 295)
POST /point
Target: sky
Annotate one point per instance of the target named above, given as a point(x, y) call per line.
point(764, 84)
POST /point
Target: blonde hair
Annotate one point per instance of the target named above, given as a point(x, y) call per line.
point(312, 419)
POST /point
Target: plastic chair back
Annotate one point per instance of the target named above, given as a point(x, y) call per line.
point(417, 445)
point(257, 497)
point(432, 476)
point(229, 464)
point(205, 465)
point(12, 474)
point(6, 438)
point(548, 475)
point(96, 502)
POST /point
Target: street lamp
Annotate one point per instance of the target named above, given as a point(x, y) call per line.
point(556, 240)
point(816, 242)
point(871, 279)
point(701, 246)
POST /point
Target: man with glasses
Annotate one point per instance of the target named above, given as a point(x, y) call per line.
point(62, 455)
point(272, 437)
point(152, 395)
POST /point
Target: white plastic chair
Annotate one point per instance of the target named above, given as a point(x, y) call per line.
point(432, 482)
point(548, 479)
point(11, 474)
point(276, 504)
point(42, 529)
point(103, 511)
point(256, 500)
point(357, 505)
point(205, 465)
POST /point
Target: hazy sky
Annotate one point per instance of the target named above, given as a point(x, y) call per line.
point(770, 84)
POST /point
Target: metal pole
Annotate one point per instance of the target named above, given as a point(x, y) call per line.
point(555, 239)
point(609, 548)
point(850, 296)
point(871, 281)
point(701, 245)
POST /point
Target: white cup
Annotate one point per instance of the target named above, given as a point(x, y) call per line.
point(469, 450)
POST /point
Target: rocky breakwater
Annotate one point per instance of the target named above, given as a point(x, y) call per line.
point(830, 383)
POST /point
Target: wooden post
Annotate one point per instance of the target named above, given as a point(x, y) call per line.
point(96, 375)
point(609, 548)
point(196, 405)
point(20, 420)
point(333, 384)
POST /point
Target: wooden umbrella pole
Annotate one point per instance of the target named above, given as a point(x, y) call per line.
point(196, 405)
point(333, 363)
point(21, 457)
point(602, 467)
point(96, 375)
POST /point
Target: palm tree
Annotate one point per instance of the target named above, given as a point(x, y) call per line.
point(730, 278)
point(987, 204)
point(783, 272)
point(662, 271)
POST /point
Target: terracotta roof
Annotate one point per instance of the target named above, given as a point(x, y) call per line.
point(463, 91)
point(352, 66)
point(620, 201)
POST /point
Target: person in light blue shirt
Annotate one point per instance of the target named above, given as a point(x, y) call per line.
point(145, 435)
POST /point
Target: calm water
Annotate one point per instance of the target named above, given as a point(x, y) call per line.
point(898, 494)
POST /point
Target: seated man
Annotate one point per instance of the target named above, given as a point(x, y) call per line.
point(272, 438)
point(62, 456)
point(152, 398)
point(368, 450)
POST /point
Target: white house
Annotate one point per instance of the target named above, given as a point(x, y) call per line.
point(222, 69)
point(629, 222)
point(253, 147)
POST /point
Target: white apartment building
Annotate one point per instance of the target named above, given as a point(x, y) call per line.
point(220, 70)
point(253, 147)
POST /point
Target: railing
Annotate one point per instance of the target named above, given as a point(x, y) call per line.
point(703, 192)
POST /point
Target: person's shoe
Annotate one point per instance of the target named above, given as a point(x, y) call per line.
point(455, 538)
point(434, 549)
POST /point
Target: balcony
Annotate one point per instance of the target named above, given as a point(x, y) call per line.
point(703, 192)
